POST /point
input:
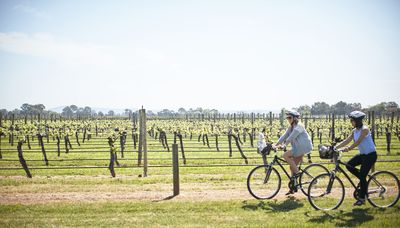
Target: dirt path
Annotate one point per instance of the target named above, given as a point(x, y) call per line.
point(42, 193)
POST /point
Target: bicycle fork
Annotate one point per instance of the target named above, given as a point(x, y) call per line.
point(332, 176)
point(380, 188)
point(268, 170)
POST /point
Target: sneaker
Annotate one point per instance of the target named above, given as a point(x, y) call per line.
point(290, 192)
point(359, 202)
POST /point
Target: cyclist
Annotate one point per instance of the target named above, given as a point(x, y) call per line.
point(300, 141)
point(362, 138)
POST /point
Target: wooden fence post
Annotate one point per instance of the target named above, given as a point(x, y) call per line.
point(333, 127)
point(373, 135)
point(270, 118)
point(175, 168)
point(143, 140)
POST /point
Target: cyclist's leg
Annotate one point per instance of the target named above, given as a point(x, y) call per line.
point(367, 162)
point(288, 156)
point(352, 163)
point(298, 160)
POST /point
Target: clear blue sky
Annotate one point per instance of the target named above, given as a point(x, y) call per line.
point(228, 55)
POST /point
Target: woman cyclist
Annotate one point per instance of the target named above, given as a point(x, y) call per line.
point(366, 158)
point(300, 141)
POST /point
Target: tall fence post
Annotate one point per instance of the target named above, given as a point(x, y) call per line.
point(333, 127)
point(175, 168)
point(270, 118)
point(143, 140)
point(373, 135)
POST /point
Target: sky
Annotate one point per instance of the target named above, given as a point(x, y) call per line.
point(227, 55)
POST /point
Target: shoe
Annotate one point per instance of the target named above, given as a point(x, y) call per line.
point(359, 202)
point(290, 192)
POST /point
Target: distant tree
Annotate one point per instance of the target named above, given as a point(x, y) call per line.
point(100, 113)
point(67, 112)
point(39, 108)
point(304, 110)
point(320, 108)
point(166, 113)
point(26, 109)
point(16, 112)
point(392, 106)
point(150, 113)
point(198, 110)
point(352, 107)
point(110, 113)
point(384, 107)
point(3, 112)
point(339, 108)
point(127, 112)
point(87, 111)
point(214, 111)
point(74, 108)
point(378, 108)
point(181, 111)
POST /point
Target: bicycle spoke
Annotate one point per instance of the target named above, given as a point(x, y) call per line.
point(308, 175)
point(263, 182)
point(383, 189)
point(325, 194)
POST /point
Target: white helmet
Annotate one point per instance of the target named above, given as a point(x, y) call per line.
point(356, 115)
point(292, 113)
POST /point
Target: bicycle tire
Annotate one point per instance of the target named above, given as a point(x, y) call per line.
point(307, 176)
point(318, 190)
point(378, 185)
point(257, 182)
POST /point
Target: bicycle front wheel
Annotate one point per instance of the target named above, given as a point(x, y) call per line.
point(308, 173)
point(326, 192)
point(383, 189)
point(263, 182)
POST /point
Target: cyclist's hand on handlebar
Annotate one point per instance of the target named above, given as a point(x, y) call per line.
point(280, 146)
point(345, 149)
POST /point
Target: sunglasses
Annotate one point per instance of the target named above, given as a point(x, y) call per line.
point(288, 117)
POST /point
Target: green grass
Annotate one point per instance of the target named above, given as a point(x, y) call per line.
point(176, 212)
point(286, 213)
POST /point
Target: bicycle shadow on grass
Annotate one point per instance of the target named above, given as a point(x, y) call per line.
point(288, 204)
point(355, 217)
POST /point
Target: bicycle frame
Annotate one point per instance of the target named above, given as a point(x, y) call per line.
point(278, 160)
point(338, 168)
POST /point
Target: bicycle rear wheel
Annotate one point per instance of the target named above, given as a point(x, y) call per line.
point(263, 182)
point(308, 174)
point(326, 193)
point(383, 189)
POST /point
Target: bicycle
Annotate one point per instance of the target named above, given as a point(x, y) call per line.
point(264, 181)
point(326, 191)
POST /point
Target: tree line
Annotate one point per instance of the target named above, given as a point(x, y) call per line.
point(342, 108)
point(318, 108)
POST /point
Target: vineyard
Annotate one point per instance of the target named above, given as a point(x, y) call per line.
point(59, 160)
point(113, 144)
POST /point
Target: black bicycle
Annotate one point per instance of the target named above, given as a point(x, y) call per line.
point(264, 181)
point(326, 191)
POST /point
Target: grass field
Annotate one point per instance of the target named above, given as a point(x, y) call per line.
point(213, 191)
